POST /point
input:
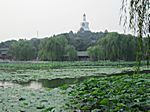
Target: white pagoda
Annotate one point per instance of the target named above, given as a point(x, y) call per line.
point(84, 24)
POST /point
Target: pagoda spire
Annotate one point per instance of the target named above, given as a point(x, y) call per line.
point(84, 17)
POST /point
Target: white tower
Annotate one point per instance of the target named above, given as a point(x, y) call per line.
point(84, 24)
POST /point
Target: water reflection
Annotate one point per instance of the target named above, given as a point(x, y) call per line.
point(58, 82)
point(43, 83)
point(54, 83)
point(35, 85)
point(5, 84)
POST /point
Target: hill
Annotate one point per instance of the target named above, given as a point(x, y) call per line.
point(71, 46)
point(82, 40)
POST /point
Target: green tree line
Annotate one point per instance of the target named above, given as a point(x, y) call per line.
point(112, 46)
point(55, 48)
point(116, 46)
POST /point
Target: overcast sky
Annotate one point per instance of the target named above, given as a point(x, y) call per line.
point(23, 18)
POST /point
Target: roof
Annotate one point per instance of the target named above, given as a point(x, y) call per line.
point(4, 49)
point(82, 53)
point(4, 52)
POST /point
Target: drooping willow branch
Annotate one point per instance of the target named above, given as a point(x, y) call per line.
point(136, 13)
point(136, 16)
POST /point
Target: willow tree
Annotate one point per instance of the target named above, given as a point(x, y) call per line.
point(136, 16)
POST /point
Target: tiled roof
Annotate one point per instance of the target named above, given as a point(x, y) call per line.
point(82, 53)
point(4, 49)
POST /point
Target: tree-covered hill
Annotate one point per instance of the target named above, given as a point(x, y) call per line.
point(82, 40)
point(100, 46)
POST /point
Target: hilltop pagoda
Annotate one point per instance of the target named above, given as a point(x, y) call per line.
point(84, 24)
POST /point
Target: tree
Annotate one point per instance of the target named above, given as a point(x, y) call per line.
point(23, 50)
point(35, 42)
point(139, 21)
point(114, 46)
point(7, 44)
point(92, 53)
point(56, 48)
point(147, 49)
point(71, 52)
point(42, 53)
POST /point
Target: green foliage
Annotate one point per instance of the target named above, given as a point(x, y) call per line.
point(139, 21)
point(23, 50)
point(82, 40)
point(110, 46)
point(6, 44)
point(55, 48)
point(114, 47)
point(111, 94)
point(27, 71)
point(95, 53)
point(18, 96)
point(41, 100)
point(147, 49)
point(35, 42)
point(71, 53)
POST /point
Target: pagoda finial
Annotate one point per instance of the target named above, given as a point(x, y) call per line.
point(84, 17)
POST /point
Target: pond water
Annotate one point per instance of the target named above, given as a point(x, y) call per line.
point(44, 83)
point(4, 83)
point(32, 85)
point(54, 83)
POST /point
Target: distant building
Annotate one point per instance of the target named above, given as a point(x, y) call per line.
point(82, 55)
point(84, 24)
point(4, 53)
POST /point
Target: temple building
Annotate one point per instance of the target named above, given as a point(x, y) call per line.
point(84, 24)
point(4, 53)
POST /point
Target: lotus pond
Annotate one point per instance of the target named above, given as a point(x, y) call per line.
point(52, 86)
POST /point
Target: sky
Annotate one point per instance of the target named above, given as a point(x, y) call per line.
point(23, 18)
